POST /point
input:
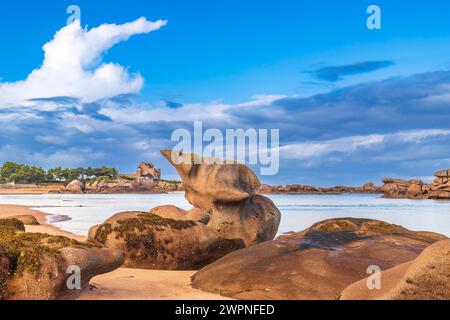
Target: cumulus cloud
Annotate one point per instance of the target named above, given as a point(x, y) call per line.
point(72, 65)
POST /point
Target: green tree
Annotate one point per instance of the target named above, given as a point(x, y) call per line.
point(20, 173)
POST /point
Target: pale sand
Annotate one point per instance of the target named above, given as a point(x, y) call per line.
point(134, 284)
point(123, 283)
point(31, 190)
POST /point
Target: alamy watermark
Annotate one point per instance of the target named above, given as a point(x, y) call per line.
point(374, 19)
point(75, 14)
point(231, 146)
point(74, 280)
point(374, 281)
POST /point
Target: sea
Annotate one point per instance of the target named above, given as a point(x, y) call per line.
point(77, 213)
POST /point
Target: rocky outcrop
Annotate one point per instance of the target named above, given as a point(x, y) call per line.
point(206, 184)
point(318, 263)
point(227, 192)
point(35, 266)
point(75, 186)
point(28, 220)
point(425, 278)
point(440, 189)
point(124, 186)
point(369, 188)
point(416, 189)
point(227, 216)
point(153, 242)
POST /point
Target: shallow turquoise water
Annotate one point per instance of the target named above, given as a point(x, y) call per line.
point(77, 213)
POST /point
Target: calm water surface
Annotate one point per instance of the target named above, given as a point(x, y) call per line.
point(77, 213)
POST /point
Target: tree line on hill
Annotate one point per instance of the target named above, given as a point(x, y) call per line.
point(12, 172)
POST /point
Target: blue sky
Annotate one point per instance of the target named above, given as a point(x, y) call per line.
point(353, 105)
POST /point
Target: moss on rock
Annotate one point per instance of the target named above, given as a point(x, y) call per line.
point(13, 224)
point(23, 252)
point(139, 232)
point(102, 233)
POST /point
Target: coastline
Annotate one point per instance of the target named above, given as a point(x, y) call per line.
point(123, 283)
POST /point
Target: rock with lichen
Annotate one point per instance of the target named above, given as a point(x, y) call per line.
point(317, 263)
point(228, 215)
point(33, 266)
point(150, 241)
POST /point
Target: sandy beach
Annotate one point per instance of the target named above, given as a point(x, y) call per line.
point(123, 283)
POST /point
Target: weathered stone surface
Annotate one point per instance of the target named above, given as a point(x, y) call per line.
point(416, 189)
point(425, 278)
point(76, 186)
point(318, 263)
point(34, 266)
point(227, 216)
point(443, 174)
point(227, 192)
point(27, 220)
point(254, 220)
point(153, 242)
point(172, 212)
point(206, 184)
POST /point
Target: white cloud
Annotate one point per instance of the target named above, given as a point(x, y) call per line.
point(420, 135)
point(72, 65)
point(71, 157)
point(316, 149)
point(346, 145)
point(215, 110)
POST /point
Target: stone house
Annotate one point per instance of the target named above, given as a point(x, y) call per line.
point(147, 172)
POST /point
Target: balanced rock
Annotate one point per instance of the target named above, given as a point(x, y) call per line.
point(153, 242)
point(76, 186)
point(227, 216)
point(317, 263)
point(35, 266)
point(227, 192)
point(425, 278)
point(206, 184)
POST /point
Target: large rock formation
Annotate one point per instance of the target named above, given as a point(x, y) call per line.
point(227, 192)
point(440, 189)
point(318, 263)
point(425, 278)
point(227, 216)
point(34, 266)
point(416, 189)
point(153, 242)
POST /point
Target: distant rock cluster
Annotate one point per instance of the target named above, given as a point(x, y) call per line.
point(121, 186)
point(416, 189)
point(369, 188)
point(392, 188)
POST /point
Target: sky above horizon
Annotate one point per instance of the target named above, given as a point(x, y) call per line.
point(353, 105)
